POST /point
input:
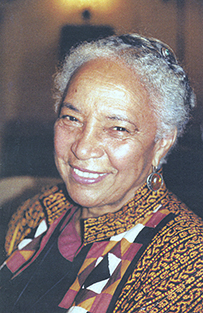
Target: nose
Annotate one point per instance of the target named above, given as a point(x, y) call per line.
point(88, 144)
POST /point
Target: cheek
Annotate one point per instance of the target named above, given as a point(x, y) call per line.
point(123, 155)
point(60, 142)
point(131, 156)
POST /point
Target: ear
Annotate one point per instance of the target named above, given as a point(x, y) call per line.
point(162, 147)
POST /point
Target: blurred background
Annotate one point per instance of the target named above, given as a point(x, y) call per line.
point(35, 35)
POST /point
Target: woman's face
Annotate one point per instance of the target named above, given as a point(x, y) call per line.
point(105, 136)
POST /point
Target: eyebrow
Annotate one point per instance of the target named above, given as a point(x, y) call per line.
point(121, 118)
point(69, 106)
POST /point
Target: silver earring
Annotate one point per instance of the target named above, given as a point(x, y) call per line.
point(154, 180)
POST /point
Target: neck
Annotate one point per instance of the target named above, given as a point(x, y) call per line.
point(90, 212)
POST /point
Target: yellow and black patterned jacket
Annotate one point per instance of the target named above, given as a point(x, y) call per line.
point(159, 270)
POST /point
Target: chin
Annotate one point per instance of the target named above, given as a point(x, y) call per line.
point(83, 200)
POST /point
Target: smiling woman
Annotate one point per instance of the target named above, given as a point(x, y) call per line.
point(106, 123)
point(111, 238)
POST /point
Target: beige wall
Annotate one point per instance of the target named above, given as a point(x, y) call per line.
point(29, 34)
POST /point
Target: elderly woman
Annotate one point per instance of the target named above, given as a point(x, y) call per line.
point(112, 238)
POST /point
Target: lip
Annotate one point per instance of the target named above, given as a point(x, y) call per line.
point(86, 177)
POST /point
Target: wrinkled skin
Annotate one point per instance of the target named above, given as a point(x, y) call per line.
point(105, 137)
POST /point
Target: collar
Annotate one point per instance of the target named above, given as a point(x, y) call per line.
point(135, 211)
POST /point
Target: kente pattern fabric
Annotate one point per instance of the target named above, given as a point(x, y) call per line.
point(113, 256)
point(35, 288)
point(107, 263)
point(49, 205)
point(166, 276)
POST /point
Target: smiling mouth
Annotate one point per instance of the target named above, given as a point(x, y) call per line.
point(86, 178)
point(88, 174)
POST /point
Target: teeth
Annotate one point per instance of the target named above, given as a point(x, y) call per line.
point(87, 174)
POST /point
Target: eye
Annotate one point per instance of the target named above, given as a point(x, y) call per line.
point(69, 118)
point(120, 129)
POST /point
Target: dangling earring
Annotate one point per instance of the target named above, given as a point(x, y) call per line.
point(154, 180)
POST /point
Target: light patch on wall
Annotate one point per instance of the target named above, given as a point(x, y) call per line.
point(100, 5)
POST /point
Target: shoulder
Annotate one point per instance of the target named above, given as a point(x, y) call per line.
point(170, 269)
point(183, 235)
point(184, 217)
point(47, 205)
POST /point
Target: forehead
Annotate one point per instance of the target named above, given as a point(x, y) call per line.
point(112, 74)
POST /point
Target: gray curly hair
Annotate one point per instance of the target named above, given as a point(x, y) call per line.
point(168, 86)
